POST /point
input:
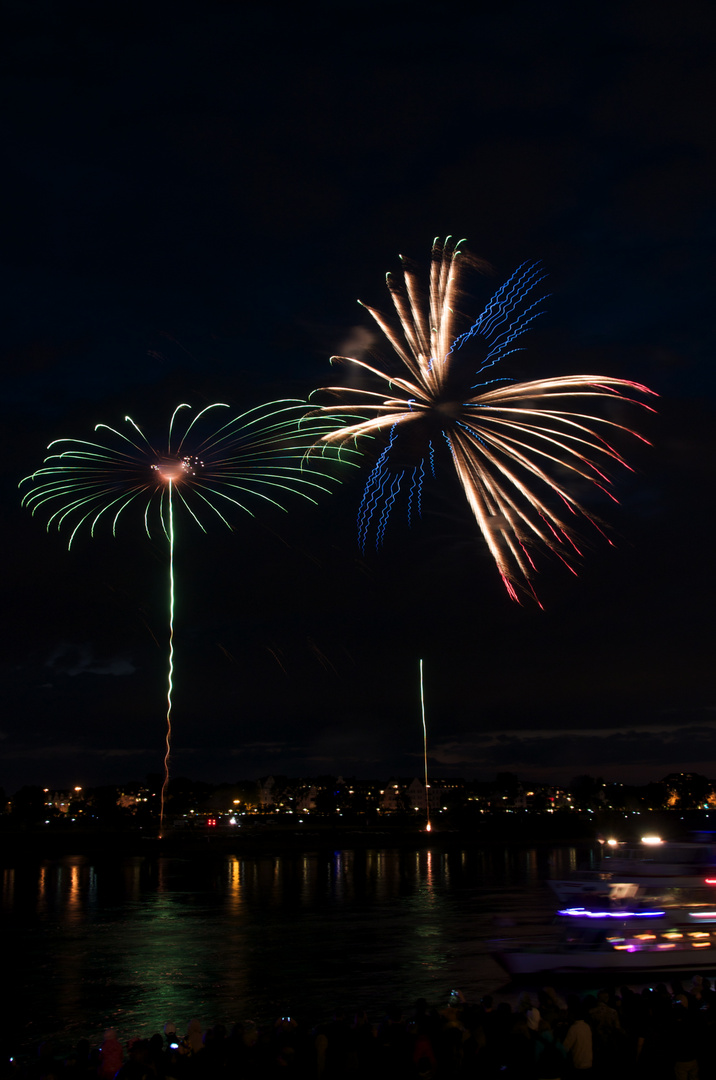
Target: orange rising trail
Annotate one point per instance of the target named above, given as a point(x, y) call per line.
point(170, 663)
point(428, 826)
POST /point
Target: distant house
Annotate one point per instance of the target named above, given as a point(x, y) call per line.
point(409, 794)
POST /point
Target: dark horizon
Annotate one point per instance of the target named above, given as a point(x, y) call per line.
point(183, 783)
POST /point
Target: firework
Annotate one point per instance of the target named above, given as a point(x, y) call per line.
point(207, 471)
point(428, 826)
point(516, 447)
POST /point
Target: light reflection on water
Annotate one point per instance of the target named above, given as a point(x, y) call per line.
point(135, 942)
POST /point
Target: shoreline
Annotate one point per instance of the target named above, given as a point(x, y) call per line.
point(267, 836)
point(274, 839)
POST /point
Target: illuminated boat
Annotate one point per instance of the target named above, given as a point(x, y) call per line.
point(665, 872)
point(620, 940)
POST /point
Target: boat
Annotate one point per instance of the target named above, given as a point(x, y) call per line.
point(664, 872)
point(620, 939)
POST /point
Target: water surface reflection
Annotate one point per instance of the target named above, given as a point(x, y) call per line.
point(136, 942)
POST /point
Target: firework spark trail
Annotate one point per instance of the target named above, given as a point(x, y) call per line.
point(170, 664)
point(513, 445)
point(259, 455)
point(428, 826)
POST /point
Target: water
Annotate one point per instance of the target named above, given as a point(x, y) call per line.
point(135, 942)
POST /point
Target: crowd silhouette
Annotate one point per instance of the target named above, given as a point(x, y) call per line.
point(665, 1031)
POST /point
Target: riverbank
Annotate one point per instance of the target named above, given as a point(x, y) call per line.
point(267, 835)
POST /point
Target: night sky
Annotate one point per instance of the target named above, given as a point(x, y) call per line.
point(195, 195)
